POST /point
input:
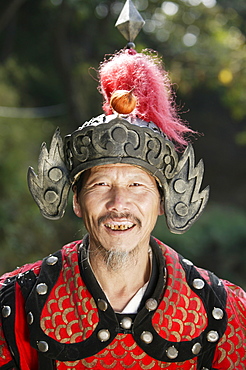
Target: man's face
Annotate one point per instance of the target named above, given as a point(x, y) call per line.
point(119, 204)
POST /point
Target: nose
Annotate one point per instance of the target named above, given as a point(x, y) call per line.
point(118, 199)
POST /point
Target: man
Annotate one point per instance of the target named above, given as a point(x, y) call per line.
point(120, 299)
point(119, 204)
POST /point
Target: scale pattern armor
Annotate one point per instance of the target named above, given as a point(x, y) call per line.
point(66, 319)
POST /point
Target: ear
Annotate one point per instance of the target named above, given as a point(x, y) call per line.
point(161, 208)
point(76, 206)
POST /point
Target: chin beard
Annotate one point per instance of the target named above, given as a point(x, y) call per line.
point(116, 260)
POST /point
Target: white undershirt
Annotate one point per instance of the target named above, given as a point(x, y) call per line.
point(133, 304)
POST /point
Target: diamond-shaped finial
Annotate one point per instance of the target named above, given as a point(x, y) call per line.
point(130, 21)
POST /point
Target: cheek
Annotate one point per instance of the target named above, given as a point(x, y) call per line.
point(152, 210)
point(150, 202)
point(89, 212)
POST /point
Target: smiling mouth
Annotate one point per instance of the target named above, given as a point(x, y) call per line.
point(119, 227)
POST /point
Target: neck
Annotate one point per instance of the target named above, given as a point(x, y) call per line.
point(120, 275)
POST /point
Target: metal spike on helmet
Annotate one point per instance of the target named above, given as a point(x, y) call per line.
point(130, 22)
point(137, 140)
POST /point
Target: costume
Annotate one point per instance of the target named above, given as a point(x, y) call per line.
point(54, 313)
point(187, 319)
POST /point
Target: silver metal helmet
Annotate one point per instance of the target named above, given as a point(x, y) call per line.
point(113, 139)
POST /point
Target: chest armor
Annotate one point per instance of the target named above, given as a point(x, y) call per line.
point(72, 323)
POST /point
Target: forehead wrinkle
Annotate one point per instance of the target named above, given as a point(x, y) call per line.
point(125, 170)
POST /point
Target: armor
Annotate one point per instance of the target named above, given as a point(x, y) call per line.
point(186, 318)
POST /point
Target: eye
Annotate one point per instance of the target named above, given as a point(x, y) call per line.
point(101, 184)
point(135, 184)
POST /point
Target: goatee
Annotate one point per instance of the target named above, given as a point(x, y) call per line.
point(116, 260)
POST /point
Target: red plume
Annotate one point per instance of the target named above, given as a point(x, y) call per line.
point(144, 73)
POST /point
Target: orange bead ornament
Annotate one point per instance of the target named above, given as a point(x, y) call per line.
point(123, 101)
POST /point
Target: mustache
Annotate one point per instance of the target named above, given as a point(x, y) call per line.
point(113, 216)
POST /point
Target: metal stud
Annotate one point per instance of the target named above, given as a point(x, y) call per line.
point(146, 337)
point(217, 313)
point(42, 288)
point(198, 283)
point(103, 335)
point(42, 346)
point(188, 262)
point(180, 186)
point(212, 336)
point(102, 305)
point(126, 323)
point(30, 318)
point(196, 348)
point(181, 209)
point(55, 174)
point(151, 304)
point(51, 260)
point(172, 352)
point(6, 311)
point(50, 196)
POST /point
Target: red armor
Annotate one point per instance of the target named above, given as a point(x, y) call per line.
point(57, 309)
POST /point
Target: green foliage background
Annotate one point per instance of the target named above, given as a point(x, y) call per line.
point(49, 50)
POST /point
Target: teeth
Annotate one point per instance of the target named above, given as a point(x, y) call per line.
point(118, 227)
